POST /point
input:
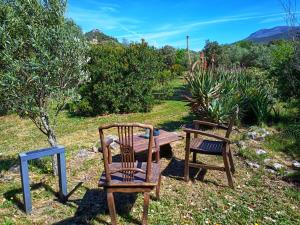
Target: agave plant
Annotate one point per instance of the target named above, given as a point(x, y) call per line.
point(209, 91)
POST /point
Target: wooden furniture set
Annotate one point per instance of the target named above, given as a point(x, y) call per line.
point(130, 175)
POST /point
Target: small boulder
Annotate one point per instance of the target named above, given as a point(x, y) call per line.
point(296, 165)
point(270, 171)
point(113, 145)
point(267, 161)
point(253, 165)
point(252, 135)
point(241, 144)
point(14, 169)
point(83, 153)
point(277, 166)
point(260, 152)
point(95, 149)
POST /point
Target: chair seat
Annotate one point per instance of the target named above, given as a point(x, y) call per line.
point(208, 147)
point(139, 178)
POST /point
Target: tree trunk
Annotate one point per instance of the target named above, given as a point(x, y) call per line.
point(51, 139)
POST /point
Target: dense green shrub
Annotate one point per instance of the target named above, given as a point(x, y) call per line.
point(214, 93)
point(284, 68)
point(242, 54)
point(258, 95)
point(175, 60)
point(123, 79)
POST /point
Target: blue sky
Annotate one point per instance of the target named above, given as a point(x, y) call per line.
point(163, 22)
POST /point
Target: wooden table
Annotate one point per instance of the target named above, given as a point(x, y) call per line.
point(140, 143)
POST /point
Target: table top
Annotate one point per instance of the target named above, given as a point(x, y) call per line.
point(140, 143)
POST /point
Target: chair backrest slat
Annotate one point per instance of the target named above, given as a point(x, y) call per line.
point(126, 142)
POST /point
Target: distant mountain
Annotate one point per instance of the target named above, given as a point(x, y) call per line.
point(275, 33)
point(96, 36)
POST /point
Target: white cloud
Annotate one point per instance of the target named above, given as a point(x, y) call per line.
point(103, 16)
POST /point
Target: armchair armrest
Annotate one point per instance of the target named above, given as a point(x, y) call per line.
point(200, 122)
point(190, 130)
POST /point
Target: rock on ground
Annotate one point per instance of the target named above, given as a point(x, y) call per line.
point(260, 152)
point(253, 165)
point(277, 166)
point(296, 165)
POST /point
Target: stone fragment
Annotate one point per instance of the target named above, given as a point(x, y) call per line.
point(83, 153)
point(14, 169)
point(260, 152)
point(241, 144)
point(253, 165)
point(252, 135)
point(270, 171)
point(296, 165)
point(277, 166)
point(113, 145)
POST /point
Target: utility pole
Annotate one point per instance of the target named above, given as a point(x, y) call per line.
point(188, 52)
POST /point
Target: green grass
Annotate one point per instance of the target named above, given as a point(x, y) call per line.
point(257, 198)
point(249, 153)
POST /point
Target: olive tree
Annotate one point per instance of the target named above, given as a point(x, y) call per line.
point(42, 55)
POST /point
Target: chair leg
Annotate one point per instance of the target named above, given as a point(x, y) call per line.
point(231, 162)
point(158, 188)
point(194, 157)
point(146, 206)
point(109, 156)
point(227, 170)
point(186, 165)
point(112, 208)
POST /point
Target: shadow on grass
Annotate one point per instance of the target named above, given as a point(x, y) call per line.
point(7, 163)
point(12, 194)
point(177, 124)
point(175, 170)
point(178, 93)
point(94, 204)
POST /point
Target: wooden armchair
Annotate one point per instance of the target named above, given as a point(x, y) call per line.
point(220, 146)
point(128, 175)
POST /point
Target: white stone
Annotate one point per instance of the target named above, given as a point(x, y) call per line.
point(252, 135)
point(94, 149)
point(83, 153)
point(241, 144)
point(253, 165)
point(266, 161)
point(296, 165)
point(270, 171)
point(260, 152)
point(114, 138)
point(278, 166)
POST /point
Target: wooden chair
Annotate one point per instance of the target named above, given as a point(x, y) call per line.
point(220, 146)
point(129, 175)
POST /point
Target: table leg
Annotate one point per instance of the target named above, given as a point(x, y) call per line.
point(25, 186)
point(62, 176)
